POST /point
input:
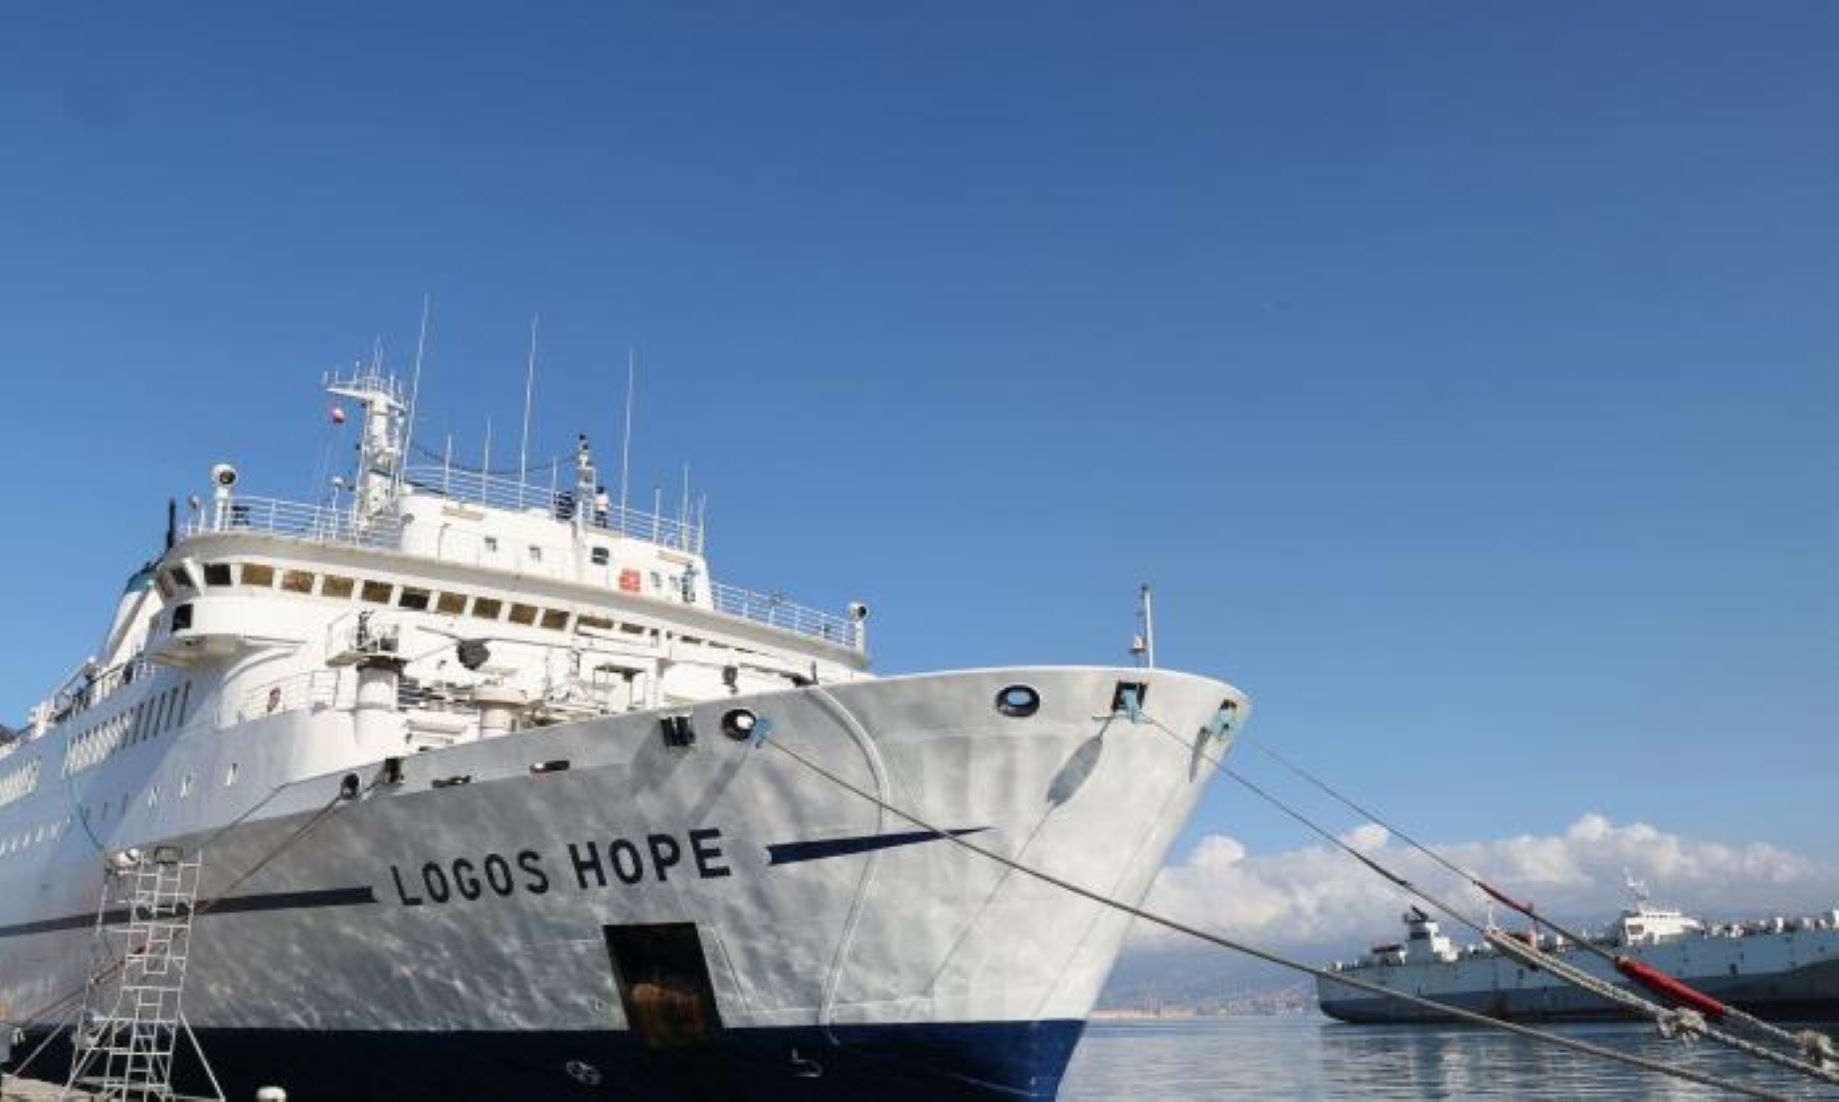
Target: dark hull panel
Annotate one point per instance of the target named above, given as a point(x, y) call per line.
point(1808, 994)
point(905, 1063)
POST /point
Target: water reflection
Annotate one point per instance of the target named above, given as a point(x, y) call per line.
point(1305, 1056)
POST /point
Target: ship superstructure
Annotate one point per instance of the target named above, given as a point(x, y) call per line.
point(1786, 969)
point(481, 777)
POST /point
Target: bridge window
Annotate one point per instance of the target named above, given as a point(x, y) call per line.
point(412, 598)
point(258, 575)
point(337, 586)
point(485, 608)
point(216, 573)
point(377, 593)
point(182, 578)
point(451, 604)
point(523, 614)
point(297, 581)
point(555, 619)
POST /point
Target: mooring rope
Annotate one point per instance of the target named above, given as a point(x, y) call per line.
point(1818, 1046)
point(1672, 1022)
point(1272, 957)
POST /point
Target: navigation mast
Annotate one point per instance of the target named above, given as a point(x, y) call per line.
point(380, 445)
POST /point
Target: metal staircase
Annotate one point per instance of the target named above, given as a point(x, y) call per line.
point(129, 1033)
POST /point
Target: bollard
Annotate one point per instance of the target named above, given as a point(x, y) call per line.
point(271, 1094)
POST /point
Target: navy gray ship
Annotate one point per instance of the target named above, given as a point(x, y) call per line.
point(1778, 968)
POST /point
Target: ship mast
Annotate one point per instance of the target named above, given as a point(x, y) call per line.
point(380, 446)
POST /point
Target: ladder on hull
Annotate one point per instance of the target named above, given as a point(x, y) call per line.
point(132, 1026)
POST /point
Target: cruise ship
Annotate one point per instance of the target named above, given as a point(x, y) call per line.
point(1781, 969)
point(491, 791)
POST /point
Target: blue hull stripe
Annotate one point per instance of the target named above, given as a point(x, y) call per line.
point(953, 1062)
point(790, 853)
point(236, 904)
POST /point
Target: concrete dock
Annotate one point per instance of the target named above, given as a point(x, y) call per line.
point(32, 1090)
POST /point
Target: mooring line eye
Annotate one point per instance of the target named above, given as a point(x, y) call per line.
point(1018, 701)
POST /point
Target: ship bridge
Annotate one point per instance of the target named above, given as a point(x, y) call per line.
point(573, 533)
point(429, 604)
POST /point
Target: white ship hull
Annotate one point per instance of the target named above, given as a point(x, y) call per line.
point(646, 921)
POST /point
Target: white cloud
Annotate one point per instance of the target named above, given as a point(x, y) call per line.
point(1321, 898)
point(1366, 837)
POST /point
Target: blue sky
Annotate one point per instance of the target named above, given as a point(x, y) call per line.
point(1463, 378)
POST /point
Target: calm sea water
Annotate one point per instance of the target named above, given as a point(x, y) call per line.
point(1305, 1056)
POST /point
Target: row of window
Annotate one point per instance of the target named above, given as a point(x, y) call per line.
point(18, 782)
point(342, 588)
point(49, 832)
point(371, 591)
point(30, 836)
point(153, 716)
point(186, 786)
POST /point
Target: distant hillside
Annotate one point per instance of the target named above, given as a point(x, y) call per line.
point(1202, 984)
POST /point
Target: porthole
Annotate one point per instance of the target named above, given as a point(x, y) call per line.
point(1018, 701)
point(739, 724)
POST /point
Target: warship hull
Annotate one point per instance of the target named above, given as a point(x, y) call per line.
point(1786, 977)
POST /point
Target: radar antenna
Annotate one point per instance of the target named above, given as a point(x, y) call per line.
point(1143, 645)
point(523, 446)
point(421, 347)
point(625, 438)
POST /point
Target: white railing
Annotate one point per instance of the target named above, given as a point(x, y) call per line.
point(319, 524)
point(322, 690)
point(315, 689)
point(80, 694)
point(295, 520)
point(774, 610)
point(425, 696)
point(558, 501)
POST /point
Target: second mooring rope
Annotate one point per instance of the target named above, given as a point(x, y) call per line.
point(1272, 957)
